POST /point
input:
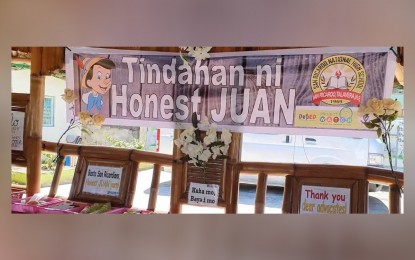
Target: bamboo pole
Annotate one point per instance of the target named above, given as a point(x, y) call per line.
point(56, 176)
point(261, 190)
point(177, 171)
point(394, 199)
point(234, 153)
point(155, 181)
point(132, 183)
point(35, 123)
point(287, 197)
point(363, 196)
point(233, 208)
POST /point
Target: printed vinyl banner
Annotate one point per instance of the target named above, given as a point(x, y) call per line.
point(313, 90)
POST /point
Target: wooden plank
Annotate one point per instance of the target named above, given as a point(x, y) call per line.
point(281, 169)
point(261, 191)
point(20, 99)
point(155, 181)
point(330, 171)
point(110, 153)
point(384, 176)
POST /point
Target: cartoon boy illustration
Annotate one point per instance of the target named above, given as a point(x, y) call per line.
point(96, 75)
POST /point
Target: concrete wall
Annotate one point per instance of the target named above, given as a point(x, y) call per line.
point(54, 87)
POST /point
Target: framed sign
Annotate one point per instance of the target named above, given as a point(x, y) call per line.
point(324, 200)
point(203, 194)
point(17, 126)
point(323, 189)
point(104, 180)
point(19, 119)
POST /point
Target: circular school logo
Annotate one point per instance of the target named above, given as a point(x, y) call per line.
point(338, 80)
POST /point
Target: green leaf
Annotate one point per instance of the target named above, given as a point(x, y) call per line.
point(376, 120)
point(194, 120)
point(216, 143)
point(394, 116)
point(369, 125)
point(379, 132)
point(185, 158)
point(86, 131)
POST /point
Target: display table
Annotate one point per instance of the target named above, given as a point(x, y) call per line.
point(38, 204)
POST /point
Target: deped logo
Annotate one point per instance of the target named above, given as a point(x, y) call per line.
point(307, 116)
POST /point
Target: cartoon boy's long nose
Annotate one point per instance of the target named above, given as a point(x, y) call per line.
point(106, 83)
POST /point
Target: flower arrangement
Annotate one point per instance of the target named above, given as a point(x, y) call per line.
point(199, 151)
point(85, 120)
point(380, 115)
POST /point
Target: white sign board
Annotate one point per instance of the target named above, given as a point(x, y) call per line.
point(17, 125)
point(203, 194)
point(103, 180)
point(324, 200)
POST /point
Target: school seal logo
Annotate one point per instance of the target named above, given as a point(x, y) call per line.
point(338, 80)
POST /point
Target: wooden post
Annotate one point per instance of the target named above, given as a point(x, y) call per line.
point(235, 190)
point(234, 154)
point(287, 197)
point(261, 190)
point(155, 181)
point(176, 178)
point(394, 199)
point(56, 176)
point(363, 196)
point(35, 123)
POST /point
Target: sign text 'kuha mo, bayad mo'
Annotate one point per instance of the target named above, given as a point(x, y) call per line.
point(280, 91)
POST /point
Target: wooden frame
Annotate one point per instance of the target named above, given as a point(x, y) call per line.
point(126, 187)
point(225, 174)
point(352, 185)
point(353, 178)
point(20, 103)
point(215, 174)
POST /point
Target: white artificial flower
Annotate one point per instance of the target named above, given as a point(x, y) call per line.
point(210, 138)
point(204, 123)
point(199, 53)
point(179, 142)
point(194, 161)
point(190, 129)
point(185, 149)
point(194, 149)
point(215, 151)
point(205, 155)
point(186, 137)
point(198, 151)
point(391, 106)
point(224, 149)
point(375, 106)
point(226, 136)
